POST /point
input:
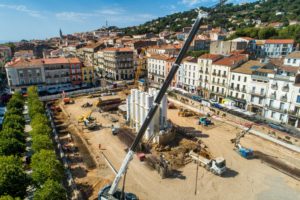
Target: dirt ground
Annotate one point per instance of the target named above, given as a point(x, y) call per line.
point(245, 179)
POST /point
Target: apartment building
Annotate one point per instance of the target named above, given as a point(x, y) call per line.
point(22, 73)
point(220, 75)
point(88, 76)
point(293, 59)
point(157, 69)
point(116, 63)
point(240, 82)
point(278, 48)
point(52, 74)
point(190, 81)
point(205, 69)
point(227, 47)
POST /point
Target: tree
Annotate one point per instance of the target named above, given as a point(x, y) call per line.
point(51, 190)
point(46, 166)
point(13, 179)
point(8, 197)
point(14, 118)
point(13, 124)
point(40, 142)
point(41, 129)
point(39, 119)
point(11, 146)
point(12, 133)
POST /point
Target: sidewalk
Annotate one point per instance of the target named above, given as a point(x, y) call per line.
point(254, 132)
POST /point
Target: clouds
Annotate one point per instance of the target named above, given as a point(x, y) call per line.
point(113, 14)
point(23, 9)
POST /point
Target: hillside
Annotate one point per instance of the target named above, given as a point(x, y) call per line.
point(230, 16)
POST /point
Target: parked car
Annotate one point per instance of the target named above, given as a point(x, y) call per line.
point(278, 127)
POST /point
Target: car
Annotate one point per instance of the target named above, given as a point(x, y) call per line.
point(278, 127)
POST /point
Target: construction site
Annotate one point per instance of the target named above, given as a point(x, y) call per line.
point(188, 155)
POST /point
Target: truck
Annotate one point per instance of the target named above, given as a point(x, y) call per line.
point(217, 166)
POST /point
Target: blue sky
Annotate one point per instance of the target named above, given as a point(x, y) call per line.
point(40, 19)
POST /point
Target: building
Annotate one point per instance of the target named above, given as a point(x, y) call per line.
point(157, 69)
point(278, 48)
point(293, 59)
point(138, 106)
point(190, 81)
point(5, 53)
point(205, 70)
point(24, 54)
point(220, 74)
point(116, 63)
point(22, 73)
point(240, 82)
point(227, 47)
point(88, 76)
point(51, 74)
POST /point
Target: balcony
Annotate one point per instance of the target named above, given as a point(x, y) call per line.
point(244, 90)
point(206, 81)
point(224, 75)
point(201, 71)
point(259, 94)
point(281, 110)
point(206, 72)
point(261, 78)
point(218, 74)
point(273, 96)
point(283, 98)
point(294, 113)
point(274, 86)
point(286, 89)
point(281, 77)
point(214, 73)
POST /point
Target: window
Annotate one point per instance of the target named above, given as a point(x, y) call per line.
point(281, 117)
point(294, 62)
point(281, 106)
point(232, 77)
point(260, 101)
point(231, 93)
point(271, 102)
point(245, 79)
point(262, 90)
point(289, 60)
point(298, 99)
point(272, 114)
point(239, 78)
point(252, 98)
point(243, 96)
point(232, 85)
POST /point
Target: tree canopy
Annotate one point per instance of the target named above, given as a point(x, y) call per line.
point(51, 190)
point(45, 166)
point(13, 179)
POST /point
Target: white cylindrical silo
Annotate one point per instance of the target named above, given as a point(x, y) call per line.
point(128, 108)
point(163, 112)
point(137, 109)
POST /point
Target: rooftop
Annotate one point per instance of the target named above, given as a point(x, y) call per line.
point(280, 41)
point(25, 63)
point(212, 57)
point(49, 61)
point(249, 67)
point(295, 54)
point(231, 61)
point(118, 49)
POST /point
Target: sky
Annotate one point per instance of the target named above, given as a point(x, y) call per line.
point(41, 19)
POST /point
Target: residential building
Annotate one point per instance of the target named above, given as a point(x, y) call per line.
point(190, 81)
point(220, 74)
point(116, 63)
point(293, 59)
point(205, 70)
point(227, 47)
point(5, 53)
point(22, 73)
point(240, 82)
point(24, 54)
point(278, 48)
point(157, 69)
point(88, 76)
point(51, 74)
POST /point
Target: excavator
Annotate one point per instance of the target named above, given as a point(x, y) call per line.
point(111, 192)
point(243, 151)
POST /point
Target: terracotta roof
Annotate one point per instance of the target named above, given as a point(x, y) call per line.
point(118, 49)
point(280, 41)
point(50, 61)
point(191, 59)
point(295, 54)
point(231, 61)
point(212, 57)
point(25, 63)
point(289, 68)
point(249, 67)
point(160, 57)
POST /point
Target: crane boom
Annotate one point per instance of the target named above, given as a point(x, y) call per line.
point(155, 106)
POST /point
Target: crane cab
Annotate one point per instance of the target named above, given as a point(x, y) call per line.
point(103, 195)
